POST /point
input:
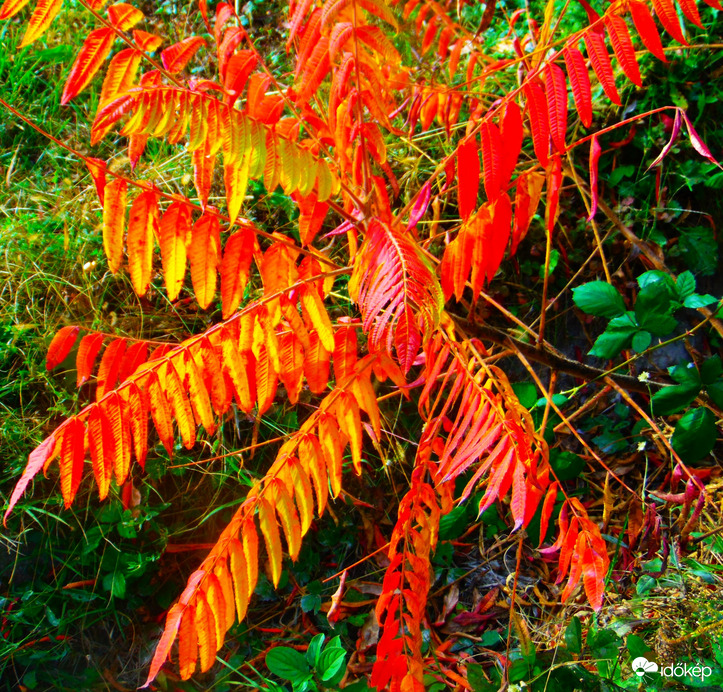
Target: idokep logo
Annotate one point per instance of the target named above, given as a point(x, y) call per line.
point(642, 666)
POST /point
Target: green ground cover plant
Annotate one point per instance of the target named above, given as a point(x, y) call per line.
point(367, 344)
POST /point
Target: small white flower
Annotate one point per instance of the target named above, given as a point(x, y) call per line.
point(644, 376)
point(642, 445)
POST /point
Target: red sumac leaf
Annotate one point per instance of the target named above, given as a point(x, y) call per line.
point(556, 92)
point(580, 83)
point(539, 123)
point(623, 47)
point(468, 170)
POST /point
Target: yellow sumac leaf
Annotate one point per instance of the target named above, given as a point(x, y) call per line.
point(114, 219)
point(347, 414)
point(72, 452)
point(142, 227)
point(102, 449)
point(239, 576)
point(270, 530)
point(312, 459)
point(198, 394)
point(286, 512)
point(217, 606)
point(44, 13)
point(206, 631)
point(331, 447)
point(204, 253)
point(173, 236)
point(94, 51)
point(302, 493)
point(180, 405)
point(121, 74)
point(113, 408)
point(187, 644)
point(316, 314)
point(236, 179)
point(366, 397)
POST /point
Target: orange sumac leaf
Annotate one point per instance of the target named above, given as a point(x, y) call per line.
point(113, 408)
point(97, 167)
point(468, 173)
point(457, 262)
point(176, 57)
point(121, 74)
point(160, 413)
point(94, 51)
point(187, 644)
point(136, 404)
point(11, 7)
point(204, 251)
point(88, 350)
point(146, 43)
point(43, 14)
point(124, 16)
point(114, 219)
point(60, 346)
point(110, 367)
point(72, 452)
point(102, 449)
point(143, 225)
point(235, 267)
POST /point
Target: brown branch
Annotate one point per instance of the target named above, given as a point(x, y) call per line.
point(546, 355)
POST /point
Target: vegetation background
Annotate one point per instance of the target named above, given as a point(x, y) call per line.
point(83, 591)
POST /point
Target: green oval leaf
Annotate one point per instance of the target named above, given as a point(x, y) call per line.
point(599, 298)
point(287, 663)
point(695, 435)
